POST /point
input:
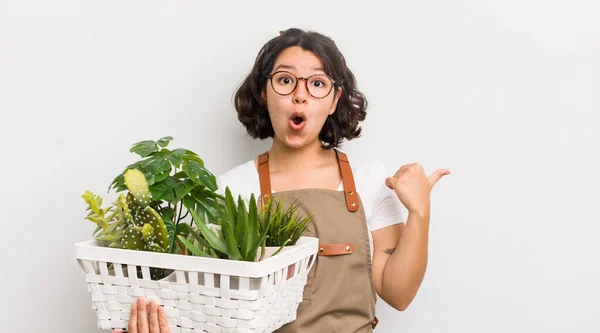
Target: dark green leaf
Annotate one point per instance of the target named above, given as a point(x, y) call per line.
point(166, 212)
point(150, 179)
point(121, 188)
point(163, 142)
point(195, 250)
point(196, 172)
point(233, 251)
point(158, 163)
point(252, 232)
point(205, 201)
point(117, 182)
point(164, 189)
point(241, 223)
point(262, 252)
point(170, 233)
point(230, 208)
point(185, 187)
point(215, 242)
point(176, 156)
point(265, 227)
point(162, 176)
point(200, 240)
point(180, 175)
point(144, 148)
point(191, 156)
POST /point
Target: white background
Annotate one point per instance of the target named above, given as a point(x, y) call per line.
point(505, 94)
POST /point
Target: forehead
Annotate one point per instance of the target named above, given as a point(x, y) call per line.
point(297, 59)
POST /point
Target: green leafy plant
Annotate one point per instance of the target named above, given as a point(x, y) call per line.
point(162, 189)
point(239, 235)
point(243, 231)
point(286, 225)
point(158, 192)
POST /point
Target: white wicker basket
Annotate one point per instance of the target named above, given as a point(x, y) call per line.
point(201, 294)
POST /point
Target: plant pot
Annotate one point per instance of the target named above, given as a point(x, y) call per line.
point(199, 294)
point(269, 251)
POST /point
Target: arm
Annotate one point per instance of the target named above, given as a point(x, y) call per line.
point(400, 260)
point(400, 256)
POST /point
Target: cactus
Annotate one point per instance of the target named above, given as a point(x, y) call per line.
point(138, 187)
point(153, 229)
point(131, 224)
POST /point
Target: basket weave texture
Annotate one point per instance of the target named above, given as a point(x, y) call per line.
point(198, 294)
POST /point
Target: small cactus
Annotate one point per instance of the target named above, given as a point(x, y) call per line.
point(133, 208)
point(138, 187)
point(133, 239)
point(154, 225)
point(132, 224)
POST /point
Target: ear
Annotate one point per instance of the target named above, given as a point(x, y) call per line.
point(335, 101)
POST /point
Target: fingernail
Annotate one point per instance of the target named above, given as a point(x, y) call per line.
point(134, 307)
point(140, 302)
point(152, 304)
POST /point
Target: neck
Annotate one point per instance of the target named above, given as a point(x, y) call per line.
point(284, 158)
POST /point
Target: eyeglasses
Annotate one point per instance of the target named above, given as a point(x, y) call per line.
point(318, 85)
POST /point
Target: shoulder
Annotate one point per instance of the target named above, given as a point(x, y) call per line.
point(369, 174)
point(382, 206)
point(242, 179)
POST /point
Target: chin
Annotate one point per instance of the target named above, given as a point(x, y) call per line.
point(296, 142)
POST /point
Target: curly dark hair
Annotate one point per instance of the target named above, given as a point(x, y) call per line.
point(352, 104)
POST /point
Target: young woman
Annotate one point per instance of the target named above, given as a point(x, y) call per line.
point(301, 94)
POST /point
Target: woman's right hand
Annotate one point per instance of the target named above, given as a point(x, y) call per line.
point(141, 322)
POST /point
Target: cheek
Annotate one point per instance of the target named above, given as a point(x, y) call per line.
point(276, 106)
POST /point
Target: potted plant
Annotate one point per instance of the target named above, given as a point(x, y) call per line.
point(160, 188)
point(145, 244)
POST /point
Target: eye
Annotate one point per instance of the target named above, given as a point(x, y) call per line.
point(285, 80)
point(318, 84)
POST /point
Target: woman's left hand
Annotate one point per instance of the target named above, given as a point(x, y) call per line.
point(413, 187)
point(140, 321)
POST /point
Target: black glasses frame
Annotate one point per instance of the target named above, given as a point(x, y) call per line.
point(333, 83)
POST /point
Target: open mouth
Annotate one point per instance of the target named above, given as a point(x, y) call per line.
point(297, 121)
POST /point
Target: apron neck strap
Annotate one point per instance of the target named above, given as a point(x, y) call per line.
point(264, 177)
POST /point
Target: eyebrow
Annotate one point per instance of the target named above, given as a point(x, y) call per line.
point(284, 66)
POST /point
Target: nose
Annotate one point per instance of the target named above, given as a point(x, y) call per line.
point(301, 92)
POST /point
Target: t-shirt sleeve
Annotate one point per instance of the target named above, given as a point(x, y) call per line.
point(387, 209)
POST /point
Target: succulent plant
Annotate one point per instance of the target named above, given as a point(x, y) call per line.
point(147, 230)
point(286, 225)
point(238, 237)
point(243, 231)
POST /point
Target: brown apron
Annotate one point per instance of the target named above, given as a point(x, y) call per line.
point(339, 295)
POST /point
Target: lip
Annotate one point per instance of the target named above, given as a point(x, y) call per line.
point(294, 126)
point(298, 114)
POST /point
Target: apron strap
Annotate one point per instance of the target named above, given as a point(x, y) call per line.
point(345, 170)
point(348, 181)
point(264, 177)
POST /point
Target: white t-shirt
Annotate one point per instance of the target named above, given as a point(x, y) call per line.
point(382, 206)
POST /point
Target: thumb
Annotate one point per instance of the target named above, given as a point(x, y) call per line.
point(390, 182)
point(437, 175)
